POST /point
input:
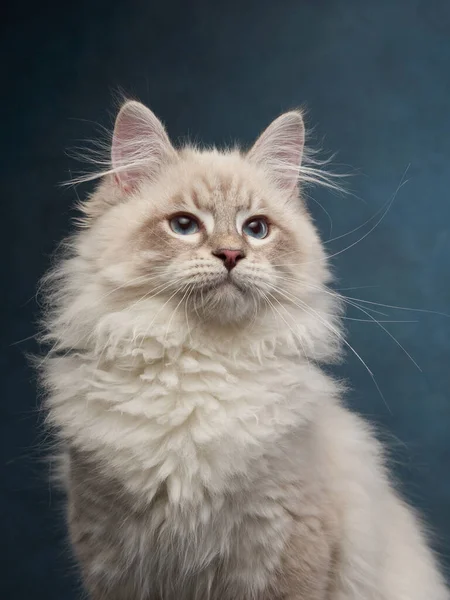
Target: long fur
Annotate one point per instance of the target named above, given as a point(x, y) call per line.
point(208, 454)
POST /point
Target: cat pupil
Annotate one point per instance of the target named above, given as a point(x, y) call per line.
point(184, 225)
point(256, 228)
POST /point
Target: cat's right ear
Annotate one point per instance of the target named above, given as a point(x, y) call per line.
point(140, 146)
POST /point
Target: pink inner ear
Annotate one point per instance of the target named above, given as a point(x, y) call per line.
point(139, 147)
point(122, 183)
point(279, 149)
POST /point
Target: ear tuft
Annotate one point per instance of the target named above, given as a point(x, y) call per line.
point(279, 150)
point(140, 145)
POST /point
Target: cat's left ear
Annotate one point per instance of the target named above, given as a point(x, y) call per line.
point(279, 150)
point(140, 146)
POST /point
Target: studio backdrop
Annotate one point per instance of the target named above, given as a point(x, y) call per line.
point(374, 78)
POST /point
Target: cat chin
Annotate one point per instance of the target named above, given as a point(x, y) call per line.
point(226, 303)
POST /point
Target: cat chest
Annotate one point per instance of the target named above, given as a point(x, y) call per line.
point(191, 424)
point(231, 542)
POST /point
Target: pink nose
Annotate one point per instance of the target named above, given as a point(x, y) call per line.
point(230, 257)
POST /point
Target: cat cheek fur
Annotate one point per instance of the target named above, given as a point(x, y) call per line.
point(207, 455)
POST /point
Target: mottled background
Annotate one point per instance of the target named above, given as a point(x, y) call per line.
point(375, 77)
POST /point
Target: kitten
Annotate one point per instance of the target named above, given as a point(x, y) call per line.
point(208, 455)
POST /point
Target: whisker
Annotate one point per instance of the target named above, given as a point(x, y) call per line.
point(388, 206)
point(151, 293)
point(95, 302)
point(186, 312)
point(388, 203)
point(324, 210)
point(374, 320)
point(30, 337)
point(379, 323)
point(298, 337)
point(339, 335)
point(357, 287)
point(422, 310)
point(158, 312)
point(147, 296)
point(276, 311)
point(256, 301)
point(186, 287)
point(324, 290)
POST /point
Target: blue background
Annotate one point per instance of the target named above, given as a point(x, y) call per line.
point(375, 77)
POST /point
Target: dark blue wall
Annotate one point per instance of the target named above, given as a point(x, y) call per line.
point(375, 77)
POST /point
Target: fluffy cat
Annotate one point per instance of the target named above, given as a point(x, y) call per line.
point(208, 456)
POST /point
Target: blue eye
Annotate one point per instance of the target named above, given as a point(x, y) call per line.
point(184, 225)
point(257, 228)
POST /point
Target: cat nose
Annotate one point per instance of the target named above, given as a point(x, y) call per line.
point(229, 256)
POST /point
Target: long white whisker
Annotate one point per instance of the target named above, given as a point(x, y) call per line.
point(383, 215)
point(152, 293)
point(357, 287)
point(324, 290)
point(339, 335)
point(422, 310)
point(159, 311)
point(379, 323)
point(388, 203)
point(186, 312)
point(296, 335)
point(299, 337)
point(174, 311)
point(325, 211)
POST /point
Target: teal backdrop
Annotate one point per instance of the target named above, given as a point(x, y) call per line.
point(375, 78)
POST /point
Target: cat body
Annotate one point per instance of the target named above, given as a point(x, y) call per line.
point(209, 456)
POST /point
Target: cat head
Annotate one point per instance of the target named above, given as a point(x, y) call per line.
point(223, 235)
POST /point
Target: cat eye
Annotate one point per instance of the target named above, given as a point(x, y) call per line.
point(256, 228)
point(184, 225)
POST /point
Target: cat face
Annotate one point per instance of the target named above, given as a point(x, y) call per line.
point(222, 235)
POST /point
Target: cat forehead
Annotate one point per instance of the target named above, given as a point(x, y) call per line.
point(218, 183)
point(218, 195)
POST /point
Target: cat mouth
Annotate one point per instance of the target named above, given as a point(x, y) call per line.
point(227, 298)
point(227, 283)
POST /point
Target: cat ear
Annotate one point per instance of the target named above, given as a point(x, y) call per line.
point(140, 145)
point(279, 149)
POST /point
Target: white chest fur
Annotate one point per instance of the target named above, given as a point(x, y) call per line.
point(160, 410)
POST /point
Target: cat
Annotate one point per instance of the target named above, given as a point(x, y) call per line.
point(207, 454)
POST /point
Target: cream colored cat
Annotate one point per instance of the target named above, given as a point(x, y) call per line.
point(208, 455)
